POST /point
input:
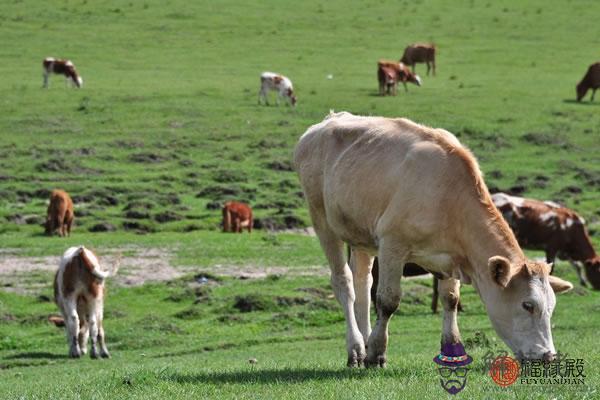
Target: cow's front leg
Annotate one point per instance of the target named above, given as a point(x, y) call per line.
point(342, 283)
point(361, 264)
point(449, 290)
point(391, 265)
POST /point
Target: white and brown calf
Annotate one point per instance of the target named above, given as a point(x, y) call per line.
point(270, 81)
point(61, 67)
point(79, 294)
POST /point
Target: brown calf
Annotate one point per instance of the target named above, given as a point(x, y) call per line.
point(391, 72)
point(79, 293)
point(420, 53)
point(60, 214)
point(557, 230)
point(591, 80)
point(236, 216)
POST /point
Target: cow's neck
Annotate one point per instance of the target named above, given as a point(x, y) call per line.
point(487, 235)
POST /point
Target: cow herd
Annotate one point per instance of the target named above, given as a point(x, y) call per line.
point(397, 192)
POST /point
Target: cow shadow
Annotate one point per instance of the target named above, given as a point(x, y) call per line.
point(583, 102)
point(36, 355)
point(291, 375)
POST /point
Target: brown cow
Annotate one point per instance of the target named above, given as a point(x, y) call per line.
point(79, 294)
point(61, 67)
point(557, 230)
point(420, 53)
point(60, 213)
point(389, 73)
point(236, 216)
point(591, 80)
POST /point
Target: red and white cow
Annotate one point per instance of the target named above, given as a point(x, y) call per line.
point(61, 67)
point(557, 230)
point(236, 216)
point(270, 81)
point(79, 294)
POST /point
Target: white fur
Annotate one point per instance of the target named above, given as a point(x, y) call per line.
point(501, 199)
point(547, 216)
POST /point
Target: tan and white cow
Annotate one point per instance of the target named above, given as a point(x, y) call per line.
point(410, 193)
point(559, 231)
point(79, 294)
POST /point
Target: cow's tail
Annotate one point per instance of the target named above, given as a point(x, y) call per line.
point(94, 267)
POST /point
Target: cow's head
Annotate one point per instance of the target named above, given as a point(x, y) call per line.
point(581, 90)
point(592, 271)
point(520, 301)
point(416, 80)
point(292, 96)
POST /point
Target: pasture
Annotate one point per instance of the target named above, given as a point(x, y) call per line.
point(167, 128)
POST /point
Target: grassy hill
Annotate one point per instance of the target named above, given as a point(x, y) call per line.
point(167, 127)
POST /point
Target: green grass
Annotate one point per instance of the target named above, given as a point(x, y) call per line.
point(168, 121)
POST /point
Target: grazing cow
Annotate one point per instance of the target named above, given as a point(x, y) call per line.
point(60, 213)
point(61, 67)
point(557, 230)
point(591, 80)
point(281, 84)
point(420, 53)
point(79, 293)
point(389, 73)
point(236, 216)
point(410, 193)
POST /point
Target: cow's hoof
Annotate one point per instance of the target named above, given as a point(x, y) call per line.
point(104, 354)
point(75, 353)
point(379, 361)
point(356, 356)
point(94, 354)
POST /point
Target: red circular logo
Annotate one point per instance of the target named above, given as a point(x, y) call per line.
point(504, 371)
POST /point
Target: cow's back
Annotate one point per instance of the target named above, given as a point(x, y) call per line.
point(366, 176)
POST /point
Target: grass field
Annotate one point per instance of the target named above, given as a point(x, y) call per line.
point(167, 127)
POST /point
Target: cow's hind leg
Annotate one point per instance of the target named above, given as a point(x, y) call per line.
point(342, 283)
point(391, 265)
point(450, 295)
point(72, 323)
point(361, 264)
point(103, 350)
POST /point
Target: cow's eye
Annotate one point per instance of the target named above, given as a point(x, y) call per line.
point(528, 307)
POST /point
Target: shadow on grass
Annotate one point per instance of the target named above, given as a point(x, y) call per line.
point(36, 355)
point(288, 375)
point(583, 102)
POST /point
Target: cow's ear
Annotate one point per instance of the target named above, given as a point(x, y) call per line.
point(500, 270)
point(559, 285)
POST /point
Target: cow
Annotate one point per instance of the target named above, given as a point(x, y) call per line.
point(591, 80)
point(236, 216)
point(389, 73)
point(410, 193)
point(61, 67)
point(60, 214)
point(420, 53)
point(388, 80)
point(557, 230)
point(281, 84)
point(79, 287)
